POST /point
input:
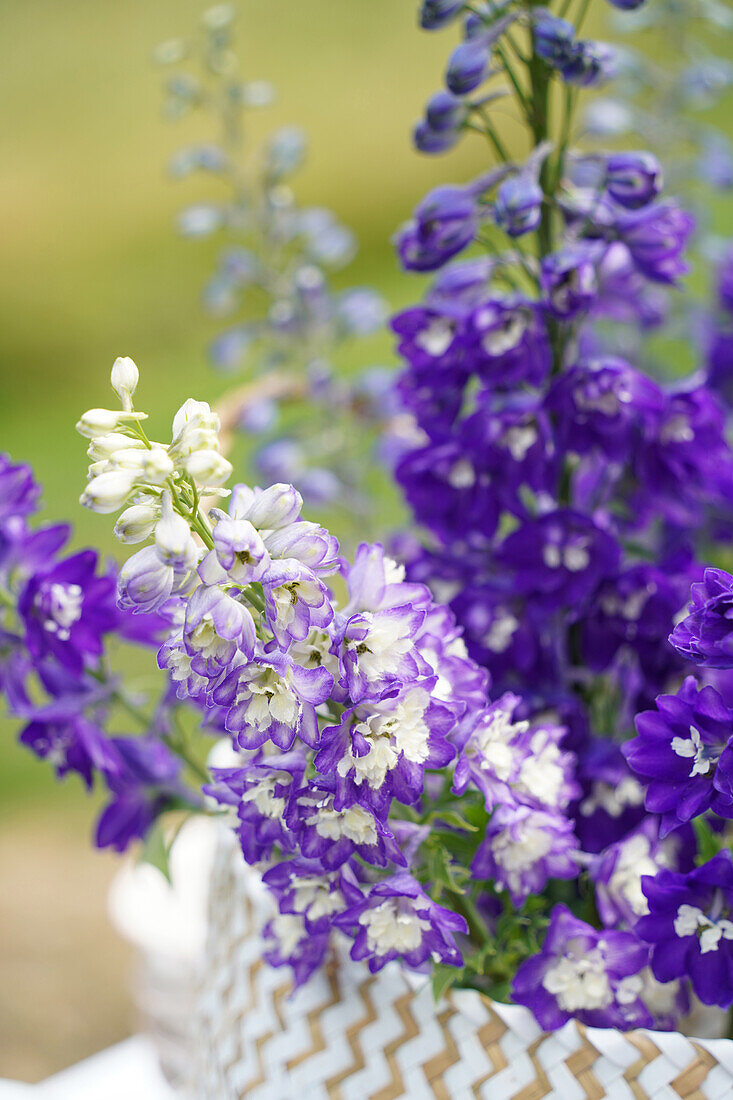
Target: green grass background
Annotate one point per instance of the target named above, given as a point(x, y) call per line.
point(92, 265)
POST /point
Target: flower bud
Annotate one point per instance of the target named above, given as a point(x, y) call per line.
point(157, 465)
point(173, 542)
point(208, 468)
point(194, 414)
point(467, 66)
point(124, 378)
point(569, 280)
point(240, 550)
point(518, 207)
point(435, 14)
point(553, 37)
point(96, 422)
point(144, 582)
point(633, 179)
point(194, 439)
point(589, 64)
point(444, 223)
point(137, 522)
point(275, 507)
point(108, 491)
point(445, 111)
point(102, 447)
point(427, 140)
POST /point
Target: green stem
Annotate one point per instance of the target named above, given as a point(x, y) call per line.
point(493, 137)
point(466, 906)
point(184, 753)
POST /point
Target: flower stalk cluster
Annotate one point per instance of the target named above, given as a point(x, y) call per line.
point(287, 324)
point(567, 498)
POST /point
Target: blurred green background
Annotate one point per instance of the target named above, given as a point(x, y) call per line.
point(93, 269)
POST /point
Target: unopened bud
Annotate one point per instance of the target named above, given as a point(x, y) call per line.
point(108, 491)
point(275, 507)
point(124, 378)
point(137, 523)
point(96, 422)
point(208, 468)
point(173, 541)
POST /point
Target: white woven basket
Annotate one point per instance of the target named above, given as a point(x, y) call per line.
point(349, 1035)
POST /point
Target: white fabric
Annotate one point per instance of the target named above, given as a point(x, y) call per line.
point(128, 1071)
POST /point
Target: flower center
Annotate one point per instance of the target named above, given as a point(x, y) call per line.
point(62, 605)
point(692, 747)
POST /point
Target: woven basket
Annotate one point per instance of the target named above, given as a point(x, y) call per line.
point(349, 1035)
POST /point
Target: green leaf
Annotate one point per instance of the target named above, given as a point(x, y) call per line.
point(155, 851)
point(443, 872)
point(708, 843)
point(443, 978)
point(454, 818)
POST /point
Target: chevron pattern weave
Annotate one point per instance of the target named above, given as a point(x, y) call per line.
point(349, 1035)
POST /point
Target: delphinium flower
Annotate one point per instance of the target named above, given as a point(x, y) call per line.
point(670, 108)
point(287, 324)
point(689, 927)
point(596, 977)
point(369, 777)
point(565, 494)
point(58, 623)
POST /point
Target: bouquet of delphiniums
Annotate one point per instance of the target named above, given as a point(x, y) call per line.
point(568, 498)
point(287, 325)
point(470, 810)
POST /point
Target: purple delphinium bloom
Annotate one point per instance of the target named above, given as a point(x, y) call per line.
point(141, 790)
point(635, 609)
point(73, 744)
point(612, 802)
point(216, 628)
point(690, 928)
point(685, 462)
point(273, 699)
point(260, 791)
point(19, 491)
point(569, 281)
point(387, 746)
point(586, 974)
point(67, 609)
point(444, 223)
point(332, 829)
point(377, 651)
point(518, 204)
point(302, 889)
point(430, 141)
point(288, 942)
point(397, 920)
point(523, 848)
point(605, 404)
point(705, 635)
point(447, 491)
point(633, 179)
point(684, 753)
point(296, 600)
point(508, 343)
point(617, 872)
point(559, 558)
point(656, 236)
point(511, 760)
